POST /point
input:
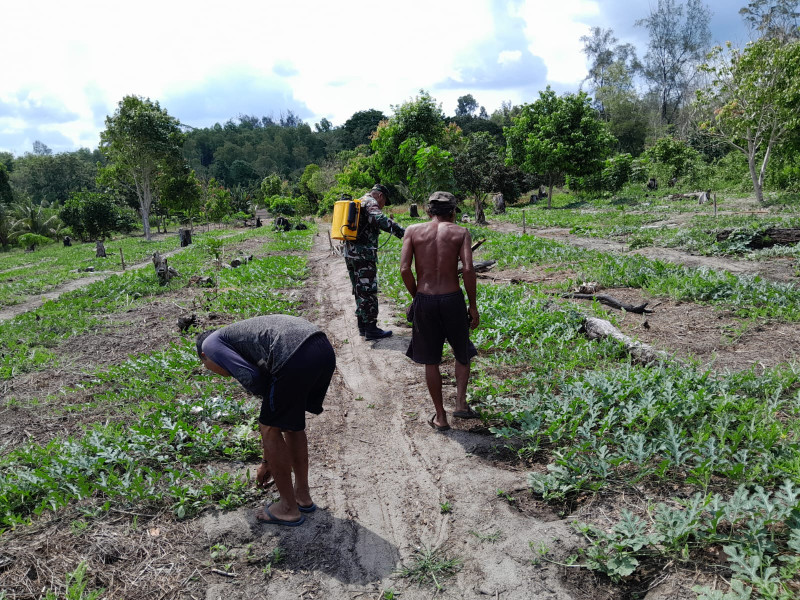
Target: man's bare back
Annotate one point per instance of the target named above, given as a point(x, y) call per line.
point(436, 248)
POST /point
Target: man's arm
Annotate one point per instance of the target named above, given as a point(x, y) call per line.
point(406, 258)
point(470, 278)
point(384, 222)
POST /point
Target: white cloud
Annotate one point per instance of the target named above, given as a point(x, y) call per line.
point(509, 56)
point(554, 30)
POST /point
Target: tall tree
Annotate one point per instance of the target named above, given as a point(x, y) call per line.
point(6, 196)
point(479, 168)
point(421, 118)
point(753, 101)
point(141, 140)
point(466, 106)
point(557, 136)
point(773, 19)
point(675, 51)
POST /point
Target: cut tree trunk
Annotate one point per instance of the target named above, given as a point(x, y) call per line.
point(612, 302)
point(641, 353)
point(163, 270)
point(100, 250)
point(766, 239)
point(185, 236)
point(413, 211)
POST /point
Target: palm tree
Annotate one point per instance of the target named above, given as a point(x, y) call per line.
point(29, 217)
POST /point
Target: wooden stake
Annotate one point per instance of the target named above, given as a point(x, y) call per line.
point(122, 258)
point(523, 221)
point(715, 205)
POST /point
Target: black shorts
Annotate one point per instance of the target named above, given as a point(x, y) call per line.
point(299, 386)
point(436, 319)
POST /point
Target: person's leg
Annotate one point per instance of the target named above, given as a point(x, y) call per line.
point(433, 377)
point(462, 377)
point(280, 463)
point(297, 442)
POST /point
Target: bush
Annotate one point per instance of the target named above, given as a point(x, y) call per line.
point(617, 171)
point(31, 240)
point(671, 158)
point(282, 205)
point(93, 215)
point(332, 195)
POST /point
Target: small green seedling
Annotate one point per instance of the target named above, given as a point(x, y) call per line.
point(445, 507)
point(506, 496)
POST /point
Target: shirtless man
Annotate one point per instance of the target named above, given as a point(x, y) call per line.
point(438, 310)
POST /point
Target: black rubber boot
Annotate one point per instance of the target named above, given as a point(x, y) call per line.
point(360, 327)
point(373, 332)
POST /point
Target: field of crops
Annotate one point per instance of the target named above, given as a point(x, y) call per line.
point(116, 447)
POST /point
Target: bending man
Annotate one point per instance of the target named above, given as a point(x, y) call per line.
point(288, 362)
point(438, 310)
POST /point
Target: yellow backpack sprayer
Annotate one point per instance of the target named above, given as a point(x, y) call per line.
point(346, 214)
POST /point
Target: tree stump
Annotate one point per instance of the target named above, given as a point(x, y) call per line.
point(258, 222)
point(67, 241)
point(100, 250)
point(163, 270)
point(413, 211)
point(185, 236)
point(499, 204)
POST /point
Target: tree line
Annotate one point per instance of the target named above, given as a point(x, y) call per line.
point(685, 113)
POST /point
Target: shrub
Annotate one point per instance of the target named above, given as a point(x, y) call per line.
point(31, 240)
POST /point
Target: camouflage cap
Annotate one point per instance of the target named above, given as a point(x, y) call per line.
point(443, 198)
point(382, 189)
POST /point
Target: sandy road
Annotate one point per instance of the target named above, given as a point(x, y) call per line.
point(379, 474)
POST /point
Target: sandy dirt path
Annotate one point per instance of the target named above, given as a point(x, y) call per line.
point(379, 474)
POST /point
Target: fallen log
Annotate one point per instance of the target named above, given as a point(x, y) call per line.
point(773, 236)
point(612, 302)
point(596, 329)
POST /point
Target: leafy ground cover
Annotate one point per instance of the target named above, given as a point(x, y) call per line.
point(28, 341)
point(674, 466)
point(590, 422)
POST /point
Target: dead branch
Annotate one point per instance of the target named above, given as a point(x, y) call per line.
point(641, 353)
point(612, 302)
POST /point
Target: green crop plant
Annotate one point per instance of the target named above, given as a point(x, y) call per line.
point(76, 585)
point(430, 566)
point(26, 342)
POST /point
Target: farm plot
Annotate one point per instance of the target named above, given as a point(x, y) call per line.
point(589, 477)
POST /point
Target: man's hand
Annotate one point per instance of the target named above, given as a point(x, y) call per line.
point(263, 476)
point(474, 318)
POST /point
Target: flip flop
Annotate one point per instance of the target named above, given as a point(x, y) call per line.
point(438, 427)
point(273, 520)
point(307, 509)
point(466, 414)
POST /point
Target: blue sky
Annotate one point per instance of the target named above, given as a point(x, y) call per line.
point(207, 62)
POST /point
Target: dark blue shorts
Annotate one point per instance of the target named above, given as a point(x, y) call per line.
point(436, 319)
point(300, 385)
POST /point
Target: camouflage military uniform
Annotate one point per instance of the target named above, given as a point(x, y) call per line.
point(361, 257)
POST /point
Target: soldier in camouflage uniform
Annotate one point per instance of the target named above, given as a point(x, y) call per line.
point(361, 257)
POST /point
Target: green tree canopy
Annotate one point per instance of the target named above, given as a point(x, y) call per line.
point(557, 136)
point(92, 215)
point(753, 101)
point(479, 168)
point(422, 119)
point(141, 140)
